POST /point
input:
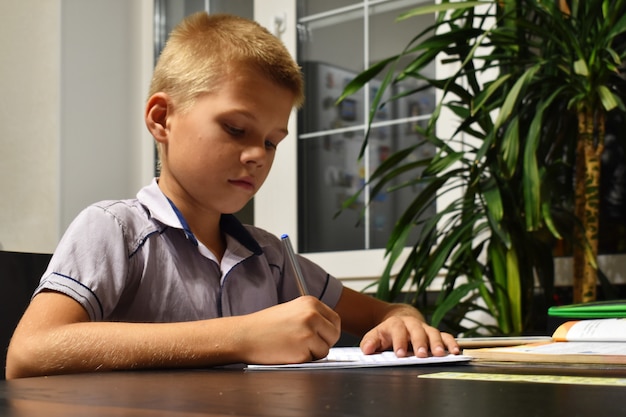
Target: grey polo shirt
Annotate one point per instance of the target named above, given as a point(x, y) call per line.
point(135, 260)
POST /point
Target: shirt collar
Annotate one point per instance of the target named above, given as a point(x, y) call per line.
point(163, 210)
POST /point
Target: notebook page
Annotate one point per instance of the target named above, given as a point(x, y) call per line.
point(352, 357)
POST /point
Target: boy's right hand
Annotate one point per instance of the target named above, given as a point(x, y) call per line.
point(298, 331)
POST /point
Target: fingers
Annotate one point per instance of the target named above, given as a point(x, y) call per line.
point(373, 342)
point(428, 339)
point(406, 334)
point(297, 331)
point(320, 326)
point(392, 333)
point(425, 338)
point(323, 321)
point(450, 342)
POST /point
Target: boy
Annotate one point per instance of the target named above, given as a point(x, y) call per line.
point(171, 278)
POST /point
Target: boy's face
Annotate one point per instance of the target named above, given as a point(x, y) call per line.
point(218, 154)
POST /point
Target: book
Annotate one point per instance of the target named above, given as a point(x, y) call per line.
point(597, 309)
point(594, 341)
point(594, 330)
point(352, 357)
point(496, 341)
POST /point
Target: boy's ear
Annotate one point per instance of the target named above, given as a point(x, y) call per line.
point(157, 111)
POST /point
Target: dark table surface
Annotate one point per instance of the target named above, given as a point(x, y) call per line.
point(349, 392)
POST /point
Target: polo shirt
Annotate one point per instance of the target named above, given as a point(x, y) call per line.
point(136, 260)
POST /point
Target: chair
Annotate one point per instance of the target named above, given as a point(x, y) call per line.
point(19, 276)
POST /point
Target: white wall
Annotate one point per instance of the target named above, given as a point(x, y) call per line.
point(29, 116)
point(102, 96)
point(280, 187)
point(74, 78)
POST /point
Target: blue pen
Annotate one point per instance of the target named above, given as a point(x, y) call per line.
point(296, 266)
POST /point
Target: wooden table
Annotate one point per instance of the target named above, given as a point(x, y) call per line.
point(384, 392)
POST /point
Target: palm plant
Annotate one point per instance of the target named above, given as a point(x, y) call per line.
point(528, 135)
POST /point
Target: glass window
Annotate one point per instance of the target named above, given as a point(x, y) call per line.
point(337, 40)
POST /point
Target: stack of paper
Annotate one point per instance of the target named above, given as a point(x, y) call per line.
point(352, 357)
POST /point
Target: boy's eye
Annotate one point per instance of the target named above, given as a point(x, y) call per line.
point(234, 130)
point(270, 145)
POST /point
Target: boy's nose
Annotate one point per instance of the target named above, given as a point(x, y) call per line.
point(256, 155)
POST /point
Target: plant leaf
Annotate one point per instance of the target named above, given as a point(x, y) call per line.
point(453, 300)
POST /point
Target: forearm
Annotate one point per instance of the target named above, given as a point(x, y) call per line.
point(84, 347)
point(360, 313)
point(55, 336)
point(89, 346)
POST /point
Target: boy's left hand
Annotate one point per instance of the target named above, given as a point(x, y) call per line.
point(404, 333)
point(400, 327)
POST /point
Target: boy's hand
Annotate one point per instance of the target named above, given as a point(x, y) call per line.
point(403, 333)
point(298, 331)
point(384, 325)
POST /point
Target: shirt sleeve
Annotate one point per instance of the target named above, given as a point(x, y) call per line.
point(319, 282)
point(90, 264)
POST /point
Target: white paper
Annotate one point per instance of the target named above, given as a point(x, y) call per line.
point(573, 348)
point(352, 357)
point(603, 330)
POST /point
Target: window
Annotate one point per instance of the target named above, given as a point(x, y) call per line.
point(334, 45)
point(337, 40)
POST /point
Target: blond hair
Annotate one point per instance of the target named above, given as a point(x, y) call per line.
point(203, 49)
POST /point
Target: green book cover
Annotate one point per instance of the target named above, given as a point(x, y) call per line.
point(596, 309)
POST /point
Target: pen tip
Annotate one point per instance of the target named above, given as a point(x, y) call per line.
point(284, 236)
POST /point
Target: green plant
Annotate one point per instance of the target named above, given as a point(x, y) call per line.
point(523, 133)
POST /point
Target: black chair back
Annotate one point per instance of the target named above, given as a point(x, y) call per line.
point(19, 276)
